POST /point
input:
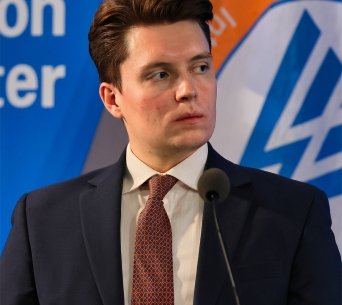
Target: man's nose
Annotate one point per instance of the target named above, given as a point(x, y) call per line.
point(186, 89)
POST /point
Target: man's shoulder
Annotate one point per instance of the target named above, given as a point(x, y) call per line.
point(270, 189)
point(277, 195)
point(67, 191)
point(269, 181)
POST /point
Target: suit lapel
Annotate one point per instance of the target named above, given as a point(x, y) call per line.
point(100, 209)
point(232, 214)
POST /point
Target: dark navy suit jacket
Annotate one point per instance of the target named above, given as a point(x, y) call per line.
point(64, 247)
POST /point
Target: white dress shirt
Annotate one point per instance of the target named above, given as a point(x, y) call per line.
point(184, 207)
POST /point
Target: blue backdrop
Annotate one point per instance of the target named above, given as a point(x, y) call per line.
point(49, 105)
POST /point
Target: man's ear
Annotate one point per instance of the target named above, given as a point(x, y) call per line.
point(109, 96)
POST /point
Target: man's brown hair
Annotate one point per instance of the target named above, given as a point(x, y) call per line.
point(114, 18)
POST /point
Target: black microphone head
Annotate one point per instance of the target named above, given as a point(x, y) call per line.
point(213, 185)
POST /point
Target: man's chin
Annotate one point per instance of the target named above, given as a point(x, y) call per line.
point(189, 146)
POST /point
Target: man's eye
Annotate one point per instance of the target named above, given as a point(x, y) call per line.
point(202, 68)
point(159, 75)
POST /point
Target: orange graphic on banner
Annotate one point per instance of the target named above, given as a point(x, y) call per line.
point(232, 20)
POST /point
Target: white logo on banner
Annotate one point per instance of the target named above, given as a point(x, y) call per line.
point(279, 97)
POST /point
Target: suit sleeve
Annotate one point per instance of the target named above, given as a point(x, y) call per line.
point(17, 286)
point(316, 272)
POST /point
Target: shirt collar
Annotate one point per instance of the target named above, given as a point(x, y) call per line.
point(188, 171)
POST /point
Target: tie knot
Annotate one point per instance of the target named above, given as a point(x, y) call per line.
point(160, 185)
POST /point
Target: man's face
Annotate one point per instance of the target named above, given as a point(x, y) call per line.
point(168, 91)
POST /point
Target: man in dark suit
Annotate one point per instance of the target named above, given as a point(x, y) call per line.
point(73, 243)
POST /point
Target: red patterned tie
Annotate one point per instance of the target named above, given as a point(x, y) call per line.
point(153, 268)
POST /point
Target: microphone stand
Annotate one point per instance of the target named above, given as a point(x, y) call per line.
point(213, 199)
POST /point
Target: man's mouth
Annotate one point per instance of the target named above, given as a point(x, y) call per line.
point(189, 117)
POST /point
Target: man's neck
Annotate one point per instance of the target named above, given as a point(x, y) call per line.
point(162, 162)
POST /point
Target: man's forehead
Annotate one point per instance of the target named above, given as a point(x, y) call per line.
point(169, 40)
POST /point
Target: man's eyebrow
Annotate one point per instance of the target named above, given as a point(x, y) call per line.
point(159, 64)
point(155, 64)
point(205, 55)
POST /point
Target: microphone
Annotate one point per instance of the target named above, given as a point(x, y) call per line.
point(214, 187)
